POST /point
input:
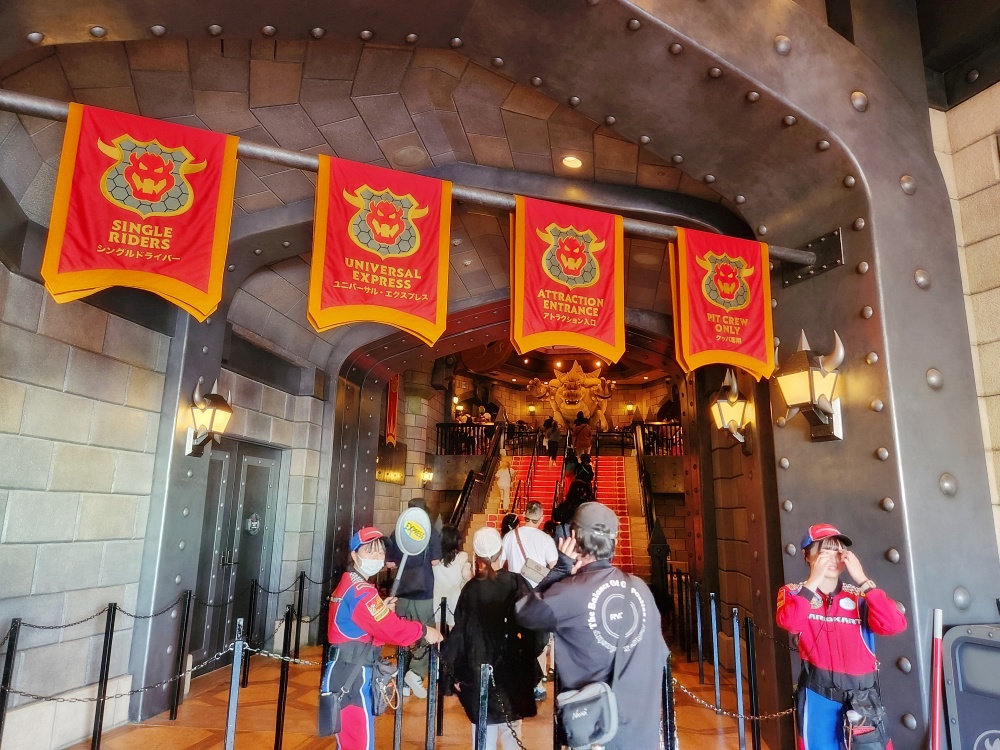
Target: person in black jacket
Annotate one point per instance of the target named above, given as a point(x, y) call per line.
point(486, 632)
point(580, 601)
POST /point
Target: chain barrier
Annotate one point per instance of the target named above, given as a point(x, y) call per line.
point(730, 714)
point(163, 611)
point(289, 587)
point(137, 691)
point(67, 625)
point(221, 604)
point(5, 637)
point(506, 715)
point(725, 616)
point(319, 583)
point(279, 657)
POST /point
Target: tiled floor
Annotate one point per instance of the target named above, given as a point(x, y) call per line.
point(201, 720)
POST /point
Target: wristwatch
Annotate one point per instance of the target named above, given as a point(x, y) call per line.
point(867, 586)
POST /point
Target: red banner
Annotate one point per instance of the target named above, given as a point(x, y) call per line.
point(567, 279)
point(392, 410)
point(722, 302)
point(380, 249)
point(141, 203)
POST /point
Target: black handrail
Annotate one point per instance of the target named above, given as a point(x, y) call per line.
point(648, 509)
point(559, 494)
point(472, 500)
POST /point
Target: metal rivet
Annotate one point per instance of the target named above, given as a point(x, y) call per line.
point(887, 504)
point(858, 224)
point(904, 665)
point(823, 145)
point(258, 251)
point(158, 30)
point(366, 35)
point(972, 76)
point(882, 454)
point(871, 358)
point(177, 579)
point(455, 43)
point(867, 312)
point(412, 38)
point(170, 650)
point(269, 31)
point(786, 505)
point(497, 62)
point(231, 267)
point(574, 101)
point(634, 24)
point(849, 181)
point(675, 49)
point(98, 32)
point(610, 120)
point(948, 485)
point(776, 341)
point(286, 243)
point(709, 179)
point(715, 73)
point(961, 597)
point(185, 512)
point(790, 550)
point(935, 379)
point(781, 421)
point(860, 100)
point(173, 614)
point(908, 183)
point(892, 555)
point(317, 33)
point(909, 721)
point(536, 81)
point(35, 37)
point(876, 405)
point(677, 159)
point(782, 44)
point(740, 199)
point(789, 120)
point(753, 96)
point(208, 322)
point(863, 267)
point(762, 230)
point(783, 463)
point(189, 473)
point(644, 139)
point(922, 278)
point(215, 29)
point(181, 544)
point(774, 302)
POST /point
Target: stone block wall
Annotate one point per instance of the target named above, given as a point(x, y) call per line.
point(80, 401)
point(293, 423)
point(966, 144)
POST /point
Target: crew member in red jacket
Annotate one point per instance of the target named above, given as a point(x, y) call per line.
point(361, 622)
point(836, 624)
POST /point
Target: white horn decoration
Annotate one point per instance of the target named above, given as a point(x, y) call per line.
point(834, 359)
point(803, 342)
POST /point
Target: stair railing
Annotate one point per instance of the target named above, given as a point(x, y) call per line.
point(559, 494)
point(648, 508)
point(472, 500)
point(594, 463)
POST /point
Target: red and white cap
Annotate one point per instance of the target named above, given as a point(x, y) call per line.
point(820, 531)
point(364, 535)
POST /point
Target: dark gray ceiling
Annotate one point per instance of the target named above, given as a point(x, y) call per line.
point(961, 48)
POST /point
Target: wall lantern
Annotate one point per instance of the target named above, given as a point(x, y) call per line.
point(459, 408)
point(630, 408)
point(210, 415)
point(808, 383)
point(454, 400)
point(731, 410)
point(531, 409)
point(426, 476)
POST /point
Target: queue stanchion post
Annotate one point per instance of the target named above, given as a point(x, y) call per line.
point(433, 667)
point(715, 651)
point(439, 729)
point(741, 727)
point(8, 670)
point(102, 680)
point(748, 629)
point(182, 641)
point(397, 727)
point(234, 687)
point(699, 634)
point(669, 725)
point(299, 603)
point(251, 623)
point(286, 651)
point(484, 698)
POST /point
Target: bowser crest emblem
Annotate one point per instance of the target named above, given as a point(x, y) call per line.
point(147, 177)
point(384, 222)
point(725, 283)
point(569, 256)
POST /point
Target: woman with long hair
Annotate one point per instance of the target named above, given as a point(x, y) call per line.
point(486, 632)
point(453, 572)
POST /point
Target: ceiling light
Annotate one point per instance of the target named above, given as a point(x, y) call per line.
point(558, 364)
point(598, 363)
point(572, 162)
point(513, 380)
point(525, 361)
point(645, 377)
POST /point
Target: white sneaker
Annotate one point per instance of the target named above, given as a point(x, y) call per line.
point(413, 681)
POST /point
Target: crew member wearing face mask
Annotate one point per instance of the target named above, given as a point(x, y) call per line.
point(361, 622)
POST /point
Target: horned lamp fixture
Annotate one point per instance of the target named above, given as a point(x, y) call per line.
point(210, 415)
point(808, 383)
point(731, 410)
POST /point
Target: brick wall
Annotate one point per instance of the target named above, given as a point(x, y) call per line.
point(80, 399)
point(965, 142)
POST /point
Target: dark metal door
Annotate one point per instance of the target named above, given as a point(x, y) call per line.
point(236, 546)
